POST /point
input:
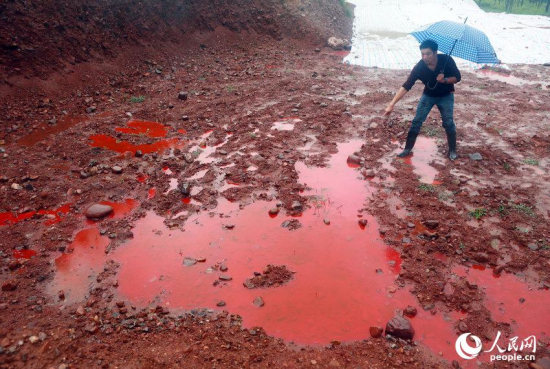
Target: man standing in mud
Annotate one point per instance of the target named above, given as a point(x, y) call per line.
point(439, 74)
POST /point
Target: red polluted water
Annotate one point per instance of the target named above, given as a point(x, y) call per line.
point(23, 254)
point(151, 193)
point(111, 143)
point(425, 151)
point(78, 267)
point(336, 293)
point(46, 130)
point(511, 301)
point(139, 127)
point(141, 178)
point(54, 216)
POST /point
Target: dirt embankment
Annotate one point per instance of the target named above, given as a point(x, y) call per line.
point(38, 37)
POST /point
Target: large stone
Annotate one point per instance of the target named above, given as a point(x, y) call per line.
point(259, 302)
point(354, 159)
point(476, 156)
point(97, 211)
point(9, 285)
point(335, 43)
point(400, 327)
point(431, 224)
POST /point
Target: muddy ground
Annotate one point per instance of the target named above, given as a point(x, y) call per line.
point(209, 106)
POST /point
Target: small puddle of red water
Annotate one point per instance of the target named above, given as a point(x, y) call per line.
point(23, 254)
point(502, 299)
point(57, 215)
point(46, 130)
point(111, 143)
point(425, 151)
point(79, 266)
point(139, 127)
point(336, 293)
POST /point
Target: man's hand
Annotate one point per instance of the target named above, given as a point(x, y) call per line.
point(441, 78)
point(388, 110)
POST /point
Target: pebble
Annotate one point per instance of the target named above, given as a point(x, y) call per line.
point(326, 221)
point(116, 169)
point(259, 302)
point(138, 154)
point(223, 268)
point(9, 285)
point(376, 331)
point(476, 156)
point(432, 224)
point(80, 311)
point(363, 222)
point(221, 303)
point(373, 125)
point(533, 246)
point(410, 311)
point(189, 261)
point(406, 240)
point(297, 206)
point(183, 95)
point(354, 159)
point(225, 277)
point(33, 339)
point(97, 211)
point(274, 211)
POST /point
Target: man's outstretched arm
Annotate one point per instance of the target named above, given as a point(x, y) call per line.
point(398, 96)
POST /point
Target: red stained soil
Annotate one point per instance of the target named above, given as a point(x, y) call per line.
point(116, 293)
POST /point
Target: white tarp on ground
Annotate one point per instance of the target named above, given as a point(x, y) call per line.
point(380, 36)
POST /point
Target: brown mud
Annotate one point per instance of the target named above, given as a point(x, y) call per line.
point(251, 167)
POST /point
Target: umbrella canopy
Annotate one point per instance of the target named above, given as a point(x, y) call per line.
point(460, 40)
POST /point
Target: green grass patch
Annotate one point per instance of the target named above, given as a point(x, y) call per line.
point(523, 209)
point(230, 89)
point(533, 162)
point(517, 7)
point(137, 99)
point(478, 213)
point(426, 187)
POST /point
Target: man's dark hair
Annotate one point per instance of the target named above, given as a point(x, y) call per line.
point(429, 44)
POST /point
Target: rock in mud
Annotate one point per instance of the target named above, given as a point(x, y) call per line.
point(183, 95)
point(368, 173)
point(363, 223)
point(185, 189)
point(274, 211)
point(400, 327)
point(259, 302)
point(431, 224)
point(476, 156)
point(354, 159)
point(221, 303)
point(117, 169)
point(410, 311)
point(97, 211)
point(189, 261)
point(335, 43)
point(297, 206)
point(376, 332)
point(326, 221)
point(225, 277)
point(9, 285)
point(463, 327)
point(481, 257)
point(291, 225)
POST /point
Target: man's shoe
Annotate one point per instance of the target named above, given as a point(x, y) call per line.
point(411, 139)
point(404, 153)
point(451, 140)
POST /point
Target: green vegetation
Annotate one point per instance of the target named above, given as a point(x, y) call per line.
point(502, 211)
point(426, 187)
point(522, 229)
point(230, 88)
point(523, 209)
point(347, 10)
point(137, 99)
point(534, 7)
point(478, 213)
point(507, 167)
point(533, 162)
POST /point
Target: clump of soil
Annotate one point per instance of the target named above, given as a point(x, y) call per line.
point(272, 276)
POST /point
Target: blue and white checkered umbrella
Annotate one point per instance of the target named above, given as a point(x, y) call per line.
point(459, 39)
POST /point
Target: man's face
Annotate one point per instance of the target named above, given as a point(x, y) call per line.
point(429, 56)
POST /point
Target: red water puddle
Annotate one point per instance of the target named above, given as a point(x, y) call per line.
point(78, 267)
point(425, 151)
point(46, 130)
point(336, 293)
point(120, 209)
point(140, 127)
point(111, 143)
point(502, 299)
point(23, 254)
point(286, 124)
point(151, 193)
point(8, 218)
point(166, 170)
point(182, 131)
point(141, 178)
